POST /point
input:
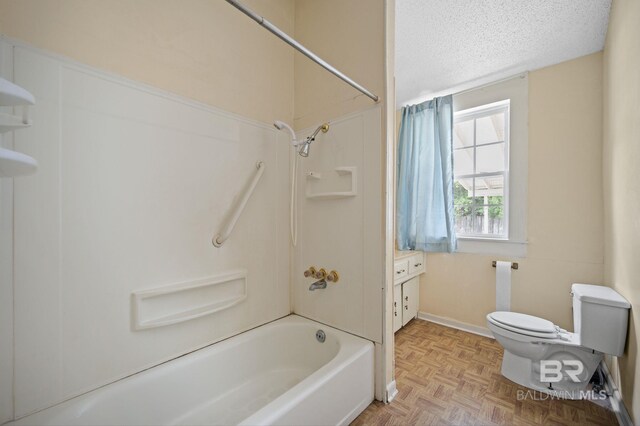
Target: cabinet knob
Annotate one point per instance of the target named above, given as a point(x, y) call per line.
point(406, 307)
point(395, 304)
point(395, 313)
point(400, 271)
point(406, 298)
point(417, 264)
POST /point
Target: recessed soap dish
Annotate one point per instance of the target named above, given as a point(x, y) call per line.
point(341, 171)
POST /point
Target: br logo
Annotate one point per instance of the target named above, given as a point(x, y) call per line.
point(551, 371)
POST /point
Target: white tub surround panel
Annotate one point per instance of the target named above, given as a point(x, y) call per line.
point(6, 261)
point(275, 374)
point(132, 185)
point(340, 225)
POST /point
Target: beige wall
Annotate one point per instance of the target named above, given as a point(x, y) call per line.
point(201, 49)
point(565, 217)
point(350, 36)
point(622, 173)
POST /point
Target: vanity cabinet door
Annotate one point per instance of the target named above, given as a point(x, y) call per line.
point(397, 307)
point(410, 296)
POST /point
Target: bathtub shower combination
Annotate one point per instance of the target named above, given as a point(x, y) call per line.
point(291, 371)
point(163, 358)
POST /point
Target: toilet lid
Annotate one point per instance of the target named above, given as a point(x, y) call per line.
point(524, 322)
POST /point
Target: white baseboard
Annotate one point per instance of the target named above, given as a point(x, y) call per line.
point(624, 419)
point(392, 391)
point(448, 322)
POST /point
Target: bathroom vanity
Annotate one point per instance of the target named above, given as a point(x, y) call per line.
point(408, 266)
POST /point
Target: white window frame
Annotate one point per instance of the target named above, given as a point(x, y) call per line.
point(476, 113)
point(516, 90)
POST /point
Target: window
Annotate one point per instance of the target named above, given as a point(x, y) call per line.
point(504, 231)
point(481, 171)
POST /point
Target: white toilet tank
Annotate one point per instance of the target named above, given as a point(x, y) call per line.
point(600, 317)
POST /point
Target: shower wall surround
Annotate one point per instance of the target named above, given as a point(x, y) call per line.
point(339, 200)
point(132, 185)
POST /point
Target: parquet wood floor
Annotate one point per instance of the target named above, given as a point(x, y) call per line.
point(446, 376)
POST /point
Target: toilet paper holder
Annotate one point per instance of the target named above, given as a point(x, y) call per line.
point(514, 265)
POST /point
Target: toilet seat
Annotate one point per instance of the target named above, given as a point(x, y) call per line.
point(524, 324)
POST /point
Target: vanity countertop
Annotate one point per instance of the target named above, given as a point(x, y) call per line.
point(402, 254)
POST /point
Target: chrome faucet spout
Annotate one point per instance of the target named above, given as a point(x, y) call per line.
point(320, 284)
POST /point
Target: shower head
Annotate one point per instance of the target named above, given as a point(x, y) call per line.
point(282, 125)
point(304, 145)
point(304, 149)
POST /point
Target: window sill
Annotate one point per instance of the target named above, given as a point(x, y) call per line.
point(499, 247)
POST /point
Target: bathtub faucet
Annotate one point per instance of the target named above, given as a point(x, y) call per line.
point(318, 285)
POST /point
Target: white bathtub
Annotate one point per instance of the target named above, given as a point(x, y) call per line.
point(275, 374)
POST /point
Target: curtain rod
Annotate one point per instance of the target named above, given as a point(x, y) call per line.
point(470, 86)
point(300, 48)
point(491, 83)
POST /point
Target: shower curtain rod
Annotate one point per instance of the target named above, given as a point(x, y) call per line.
point(300, 48)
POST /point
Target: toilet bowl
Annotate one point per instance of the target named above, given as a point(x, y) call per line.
point(544, 357)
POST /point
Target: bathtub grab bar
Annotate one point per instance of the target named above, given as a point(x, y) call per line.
point(221, 237)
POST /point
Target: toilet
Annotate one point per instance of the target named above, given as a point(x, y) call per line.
point(542, 356)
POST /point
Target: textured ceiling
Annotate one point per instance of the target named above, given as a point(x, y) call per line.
point(454, 44)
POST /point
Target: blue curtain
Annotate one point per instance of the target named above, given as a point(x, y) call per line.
point(425, 217)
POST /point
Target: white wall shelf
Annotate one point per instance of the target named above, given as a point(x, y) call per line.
point(12, 94)
point(181, 302)
point(14, 163)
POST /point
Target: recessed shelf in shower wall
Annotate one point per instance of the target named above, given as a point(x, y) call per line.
point(317, 185)
point(185, 301)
